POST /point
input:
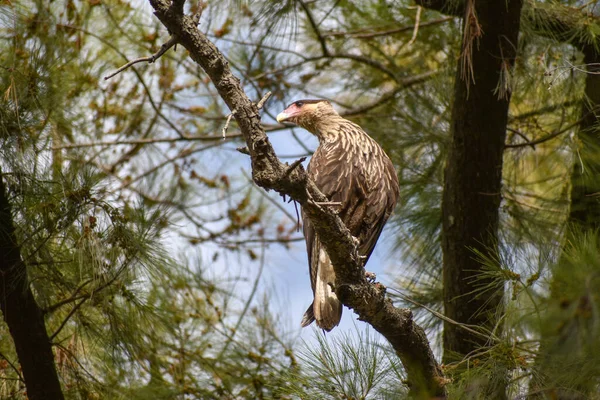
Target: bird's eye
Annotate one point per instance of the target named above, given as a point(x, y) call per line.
point(299, 104)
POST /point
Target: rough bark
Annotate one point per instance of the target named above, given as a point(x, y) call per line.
point(23, 316)
point(369, 301)
point(473, 173)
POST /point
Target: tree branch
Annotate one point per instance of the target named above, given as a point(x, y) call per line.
point(552, 135)
point(367, 33)
point(163, 49)
point(369, 301)
point(405, 83)
point(315, 28)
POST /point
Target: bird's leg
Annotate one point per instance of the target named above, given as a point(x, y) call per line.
point(356, 244)
point(370, 276)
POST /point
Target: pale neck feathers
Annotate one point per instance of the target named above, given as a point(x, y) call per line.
point(327, 124)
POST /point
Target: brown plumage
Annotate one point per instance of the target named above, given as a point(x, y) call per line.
point(350, 168)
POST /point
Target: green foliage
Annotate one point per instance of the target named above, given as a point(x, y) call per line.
point(138, 229)
point(351, 366)
point(570, 326)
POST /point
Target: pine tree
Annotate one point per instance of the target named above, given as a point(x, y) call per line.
point(116, 196)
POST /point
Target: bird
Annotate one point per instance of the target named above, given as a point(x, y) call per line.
point(358, 178)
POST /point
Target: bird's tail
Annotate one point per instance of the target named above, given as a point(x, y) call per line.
point(326, 308)
point(309, 316)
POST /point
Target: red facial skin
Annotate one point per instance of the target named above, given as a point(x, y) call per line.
point(290, 114)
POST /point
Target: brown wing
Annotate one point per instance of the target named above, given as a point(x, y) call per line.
point(381, 197)
point(325, 170)
point(359, 175)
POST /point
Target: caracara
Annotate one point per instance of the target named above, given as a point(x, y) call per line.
point(355, 174)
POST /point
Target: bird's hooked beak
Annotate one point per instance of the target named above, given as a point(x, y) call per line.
point(282, 116)
point(292, 112)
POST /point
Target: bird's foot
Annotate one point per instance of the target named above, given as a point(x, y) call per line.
point(370, 276)
point(356, 242)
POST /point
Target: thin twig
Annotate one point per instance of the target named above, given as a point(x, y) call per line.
point(315, 28)
point(544, 110)
point(71, 313)
point(259, 105)
point(416, 29)
point(468, 328)
point(405, 83)
point(163, 49)
point(17, 371)
point(186, 152)
point(522, 136)
point(74, 297)
point(294, 165)
point(199, 138)
point(347, 56)
point(247, 304)
point(207, 138)
point(364, 34)
point(196, 17)
point(227, 124)
point(547, 137)
point(142, 82)
point(264, 99)
point(269, 198)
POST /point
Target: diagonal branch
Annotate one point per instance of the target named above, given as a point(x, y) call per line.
point(405, 83)
point(163, 49)
point(369, 301)
point(367, 33)
point(550, 136)
point(315, 28)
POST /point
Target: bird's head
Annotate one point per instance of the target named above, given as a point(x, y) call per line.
point(308, 114)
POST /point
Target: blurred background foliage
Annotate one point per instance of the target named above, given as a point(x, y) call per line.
point(126, 196)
